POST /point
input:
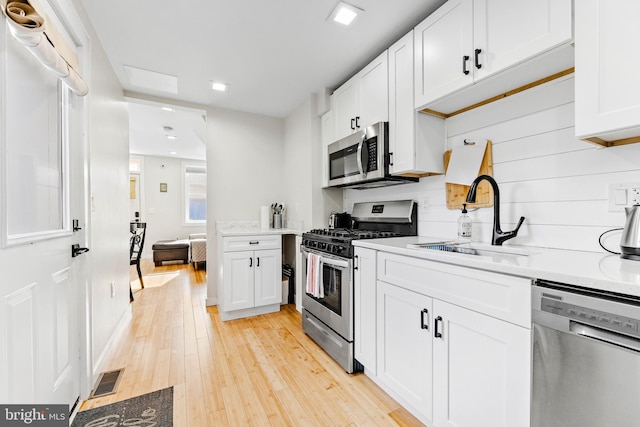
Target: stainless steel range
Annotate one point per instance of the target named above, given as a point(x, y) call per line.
point(327, 303)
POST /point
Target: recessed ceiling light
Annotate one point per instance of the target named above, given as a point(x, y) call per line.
point(172, 137)
point(169, 109)
point(345, 14)
point(220, 87)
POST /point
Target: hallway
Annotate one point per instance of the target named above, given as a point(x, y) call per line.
point(261, 371)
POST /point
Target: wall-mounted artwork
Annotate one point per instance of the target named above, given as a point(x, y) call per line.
point(163, 187)
point(132, 188)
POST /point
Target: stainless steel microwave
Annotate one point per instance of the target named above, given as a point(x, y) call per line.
point(362, 159)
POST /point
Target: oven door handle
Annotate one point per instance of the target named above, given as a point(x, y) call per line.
point(334, 262)
point(329, 261)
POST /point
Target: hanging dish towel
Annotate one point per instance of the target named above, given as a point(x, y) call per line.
point(314, 285)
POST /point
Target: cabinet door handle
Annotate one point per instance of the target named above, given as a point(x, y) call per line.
point(465, 58)
point(478, 64)
point(424, 312)
point(353, 124)
point(256, 242)
point(437, 333)
point(355, 262)
point(257, 261)
point(250, 262)
point(390, 159)
point(357, 122)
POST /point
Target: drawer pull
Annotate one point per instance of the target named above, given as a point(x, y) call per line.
point(424, 312)
point(254, 242)
point(478, 64)
point(437, 333)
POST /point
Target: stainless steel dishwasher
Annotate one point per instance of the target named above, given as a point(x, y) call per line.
point(586, 357)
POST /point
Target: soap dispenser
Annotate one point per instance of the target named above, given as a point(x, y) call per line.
point(464, 225)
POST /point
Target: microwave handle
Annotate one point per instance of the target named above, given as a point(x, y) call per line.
point(359, 156)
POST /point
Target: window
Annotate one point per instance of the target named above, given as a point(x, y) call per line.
point(35, 147)
point(195, 190)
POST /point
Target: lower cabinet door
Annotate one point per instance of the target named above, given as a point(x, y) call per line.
point(238, 280)
point(405, 364)
point(364, 307)
point(268, 277)
point(483, 370)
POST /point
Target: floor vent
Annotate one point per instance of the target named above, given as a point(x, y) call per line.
point(107, 383)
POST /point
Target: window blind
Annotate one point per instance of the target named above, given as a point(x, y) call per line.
point(32, 29)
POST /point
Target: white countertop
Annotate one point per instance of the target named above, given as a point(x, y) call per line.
point(588, 269)
point(247, 228)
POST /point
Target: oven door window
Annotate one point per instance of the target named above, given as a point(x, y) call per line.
point(332, 283)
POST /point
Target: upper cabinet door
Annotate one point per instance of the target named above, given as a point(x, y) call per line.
point(510, 31)
point(374, 92)
point(607, 89)
point(401, 108)
point(444, 49)
point(346, 108)
point(363, 100)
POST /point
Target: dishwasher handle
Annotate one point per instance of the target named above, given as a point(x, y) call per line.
point(604, 336)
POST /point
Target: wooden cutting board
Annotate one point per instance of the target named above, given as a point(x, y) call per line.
point(457, 193)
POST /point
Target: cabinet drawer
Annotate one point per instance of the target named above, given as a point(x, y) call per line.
point(251, 243)
point(497, 295)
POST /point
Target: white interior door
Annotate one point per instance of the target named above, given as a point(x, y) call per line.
point(43, 288)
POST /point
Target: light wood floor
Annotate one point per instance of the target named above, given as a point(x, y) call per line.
point(260, 371)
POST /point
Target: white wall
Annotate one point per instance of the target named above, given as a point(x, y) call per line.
point(244, 172)
point(164, 212)
point(308, 204)
point(109, 187)
point(558, 183)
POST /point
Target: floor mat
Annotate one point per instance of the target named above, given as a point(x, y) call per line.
point(151, 409)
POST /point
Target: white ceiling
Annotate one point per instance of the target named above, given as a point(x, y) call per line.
point(272, 53)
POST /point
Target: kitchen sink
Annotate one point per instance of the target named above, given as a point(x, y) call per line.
point(477, 249)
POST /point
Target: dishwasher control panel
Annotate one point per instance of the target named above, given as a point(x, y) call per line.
point(597, 318)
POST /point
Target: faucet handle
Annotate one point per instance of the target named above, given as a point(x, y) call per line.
point(519, 224)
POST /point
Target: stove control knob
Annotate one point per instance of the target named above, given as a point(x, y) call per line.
point(329, 247)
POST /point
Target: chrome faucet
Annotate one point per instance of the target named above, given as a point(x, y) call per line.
point(498, 236)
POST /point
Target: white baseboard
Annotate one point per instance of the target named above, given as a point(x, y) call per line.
point(119, 331)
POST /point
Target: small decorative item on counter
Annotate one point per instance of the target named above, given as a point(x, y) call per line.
point(464, 225)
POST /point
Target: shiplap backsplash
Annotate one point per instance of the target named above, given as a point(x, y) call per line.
point(560, 184)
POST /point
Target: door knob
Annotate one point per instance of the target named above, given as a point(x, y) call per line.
point(77, 250)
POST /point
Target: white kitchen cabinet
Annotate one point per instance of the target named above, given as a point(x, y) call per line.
point(251, 281)
point(326, 132)
point(607, 105)
point(416, 140)
point(363, 100)
point(405, 347)
point(453, 343)
point(364, 278)
point(466, 41)
point(483, 370)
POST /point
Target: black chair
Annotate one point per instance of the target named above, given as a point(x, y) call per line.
point(136, 244)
